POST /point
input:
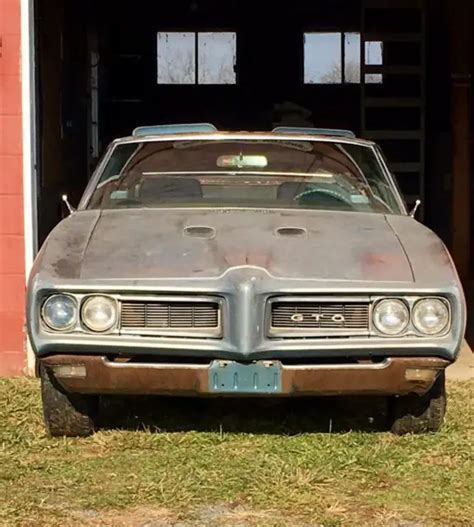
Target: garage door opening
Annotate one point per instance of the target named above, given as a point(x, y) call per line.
point(107, 67)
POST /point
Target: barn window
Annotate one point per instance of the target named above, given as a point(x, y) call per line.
point(374, 57)
point(322, 58)
point(196, 58)
point(216, 58)
point(176, 58)
point(334, 58)
point(352, 58)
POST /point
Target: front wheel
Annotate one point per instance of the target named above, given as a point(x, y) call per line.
point(418, 414)
point(66, 414)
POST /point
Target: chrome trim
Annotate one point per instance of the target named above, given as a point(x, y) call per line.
point(154, 365)
point(237, 136)
point(446, 329)
point(394, 185)
point(213, 333)
point(287, 332)
point(409, 331)
point(399, 301)
point(342, 366)
point(95, 177)
point(216, 332)
point(167, 365)
point(244, 136)
point(118, 311)
point(71, 327)
point(80, 328)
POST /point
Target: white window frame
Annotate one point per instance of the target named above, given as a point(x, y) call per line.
point(196, 81)
point(342, 81)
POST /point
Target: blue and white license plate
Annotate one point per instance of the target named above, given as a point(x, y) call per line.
point(238, 378)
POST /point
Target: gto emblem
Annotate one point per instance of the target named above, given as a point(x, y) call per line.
point(298, 317)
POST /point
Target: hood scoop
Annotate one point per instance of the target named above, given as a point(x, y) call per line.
point(200, 231)
point(290, 231)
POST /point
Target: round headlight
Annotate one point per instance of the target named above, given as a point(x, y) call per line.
point(391, 316)
point(99, 313)
point(430, 316)
point(59, 312)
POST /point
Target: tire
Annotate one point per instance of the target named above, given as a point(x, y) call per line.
point(419, 414)
point(66, 414)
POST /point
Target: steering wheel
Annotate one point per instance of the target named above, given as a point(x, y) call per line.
point(334, 194)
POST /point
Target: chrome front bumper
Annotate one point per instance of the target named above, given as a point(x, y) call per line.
point(97, 375)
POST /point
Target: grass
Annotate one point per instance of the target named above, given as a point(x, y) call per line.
point(168, 462)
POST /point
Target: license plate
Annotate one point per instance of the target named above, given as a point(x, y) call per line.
point(230, 377)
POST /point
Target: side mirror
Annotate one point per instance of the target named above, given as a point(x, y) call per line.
point(415, 208)
point(70, 208)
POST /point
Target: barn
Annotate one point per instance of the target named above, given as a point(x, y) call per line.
point(74, 75)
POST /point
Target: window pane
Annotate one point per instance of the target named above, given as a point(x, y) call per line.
point(322, 58)
point(176, 58)
point(374, 53)
point(216, 58)
point(352, 57)
point(374, 57)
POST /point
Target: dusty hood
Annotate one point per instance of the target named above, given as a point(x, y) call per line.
point(128, 244)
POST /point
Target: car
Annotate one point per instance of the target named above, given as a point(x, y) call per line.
point(243, 264)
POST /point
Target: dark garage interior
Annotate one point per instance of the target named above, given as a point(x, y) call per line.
point(386, 70)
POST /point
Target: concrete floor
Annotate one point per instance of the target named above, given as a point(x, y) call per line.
point(463, 368)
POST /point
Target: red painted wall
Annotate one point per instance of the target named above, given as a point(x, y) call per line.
point(12, 265)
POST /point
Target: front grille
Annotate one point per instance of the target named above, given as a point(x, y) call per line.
point(170, 316)
point(320, 317)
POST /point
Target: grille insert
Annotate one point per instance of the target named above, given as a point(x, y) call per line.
point(320, 317)
point(169, 316)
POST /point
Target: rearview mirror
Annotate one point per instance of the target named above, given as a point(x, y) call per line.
point(242, 161)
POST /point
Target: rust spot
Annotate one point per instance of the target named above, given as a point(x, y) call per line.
point(137, 378)
point(63, 267)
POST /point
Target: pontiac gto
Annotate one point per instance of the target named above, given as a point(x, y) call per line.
point(204, 263)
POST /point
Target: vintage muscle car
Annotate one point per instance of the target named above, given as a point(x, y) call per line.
point(207, 263)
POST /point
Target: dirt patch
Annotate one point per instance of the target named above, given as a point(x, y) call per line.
point(219, 515)
point(224, 515)
point(133, 517)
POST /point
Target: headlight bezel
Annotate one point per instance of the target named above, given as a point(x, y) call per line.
point(81, 298)
point(445, 328)
point(78, 327)
point(411, 330)
point(44, 319)
point(399, 301)
point(88, 298)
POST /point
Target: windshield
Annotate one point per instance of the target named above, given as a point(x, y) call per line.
point(270, 173)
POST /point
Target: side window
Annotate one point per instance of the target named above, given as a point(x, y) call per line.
point(373, 173)
point(334, 58)
point(196, 58)
point(117, 162)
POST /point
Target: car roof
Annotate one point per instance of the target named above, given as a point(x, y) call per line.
point(206, 131)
